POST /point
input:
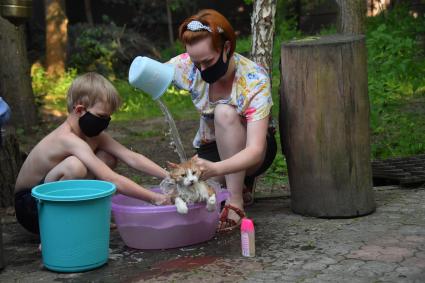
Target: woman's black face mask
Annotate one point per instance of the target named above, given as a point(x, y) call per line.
point(92, 125)
point(216, 71)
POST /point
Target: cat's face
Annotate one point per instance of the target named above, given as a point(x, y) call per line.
point(185, 174)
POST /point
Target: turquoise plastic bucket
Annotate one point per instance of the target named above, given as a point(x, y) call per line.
point(74, 219)
point(151, 76)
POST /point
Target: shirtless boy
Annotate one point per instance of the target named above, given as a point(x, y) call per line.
point(79, 148)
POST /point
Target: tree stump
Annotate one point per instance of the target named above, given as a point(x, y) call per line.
point(10, 163)
point(324, 125)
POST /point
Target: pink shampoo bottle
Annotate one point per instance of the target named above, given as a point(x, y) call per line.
point(248, 237)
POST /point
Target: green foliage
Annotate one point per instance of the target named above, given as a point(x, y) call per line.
point(328, 30)
point(395, 64)
point(243, 46)
point(172, 51)
point(285, 30)
point(94, 48)
point(139, 105)
point(51, 92)
point(107, 48)
point(278, 171)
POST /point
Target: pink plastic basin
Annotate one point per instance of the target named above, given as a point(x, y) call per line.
point(142, 225)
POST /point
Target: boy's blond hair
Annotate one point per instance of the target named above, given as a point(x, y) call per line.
point(90, 88)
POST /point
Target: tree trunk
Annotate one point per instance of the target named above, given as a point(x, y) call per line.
point(170, 26)
point(352, 16)
point(10, 164)
point(56, 37)
point(15, 79)
point(1, 247)
point(87, 10)
point(324, 126)
point(262, 26)
point(298, 11)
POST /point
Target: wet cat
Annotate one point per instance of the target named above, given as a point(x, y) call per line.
point(185, 187)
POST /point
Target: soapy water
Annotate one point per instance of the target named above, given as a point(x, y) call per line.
point(176, 141)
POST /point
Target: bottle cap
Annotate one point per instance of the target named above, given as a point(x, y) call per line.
point(247, 225)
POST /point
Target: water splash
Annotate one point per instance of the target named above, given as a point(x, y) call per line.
point(175, 136)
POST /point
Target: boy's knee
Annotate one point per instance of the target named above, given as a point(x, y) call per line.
point(75, 169)
point(225, 115)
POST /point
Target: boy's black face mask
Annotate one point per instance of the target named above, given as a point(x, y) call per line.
point(215, 72)
point(91, 125)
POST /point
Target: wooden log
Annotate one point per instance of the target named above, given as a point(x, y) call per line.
point(324, 125)
point(10, 163)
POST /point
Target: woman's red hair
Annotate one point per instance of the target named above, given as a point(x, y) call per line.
point(214, 20)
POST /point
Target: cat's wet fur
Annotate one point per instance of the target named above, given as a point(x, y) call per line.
point(188, 187)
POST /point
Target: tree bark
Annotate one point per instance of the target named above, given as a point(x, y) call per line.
point(352, 16)
point(262, 26)
point(87, 10)
point(56, 37)
point(1, 247)
point(324, 126)
point(10, 164)
point(15, 79)
point(170, 26)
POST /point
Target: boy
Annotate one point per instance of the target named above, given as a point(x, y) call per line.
point(79, 149)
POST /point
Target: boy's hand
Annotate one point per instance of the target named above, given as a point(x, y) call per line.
point(161, 199)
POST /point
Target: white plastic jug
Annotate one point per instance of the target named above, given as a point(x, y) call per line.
point(151, 76)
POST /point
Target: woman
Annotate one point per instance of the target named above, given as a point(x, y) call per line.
point(233, 96)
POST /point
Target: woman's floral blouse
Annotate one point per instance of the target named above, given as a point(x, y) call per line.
point(251, 93)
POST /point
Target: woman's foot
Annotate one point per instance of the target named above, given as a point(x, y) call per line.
point(249, 190)
point(230, 218)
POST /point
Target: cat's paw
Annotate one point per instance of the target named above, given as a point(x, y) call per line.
point(211, 203)
point(182, 209)
point(181, 206)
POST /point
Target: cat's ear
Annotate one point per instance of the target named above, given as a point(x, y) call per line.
point(172, 165)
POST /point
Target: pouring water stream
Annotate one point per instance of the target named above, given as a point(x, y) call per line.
point(175, 136)
point(153, 78)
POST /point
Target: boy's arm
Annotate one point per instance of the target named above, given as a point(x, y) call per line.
point(135, 160)
point(84, 153)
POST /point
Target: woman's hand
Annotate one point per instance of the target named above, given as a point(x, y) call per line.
point(208, 168)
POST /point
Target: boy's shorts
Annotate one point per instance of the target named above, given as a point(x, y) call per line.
point(26, 210)
point(210, 152)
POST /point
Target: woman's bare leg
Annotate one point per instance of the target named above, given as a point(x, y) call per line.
point(231, 138)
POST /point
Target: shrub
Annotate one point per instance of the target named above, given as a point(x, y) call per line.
point(107, 49)
point(396, 65)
